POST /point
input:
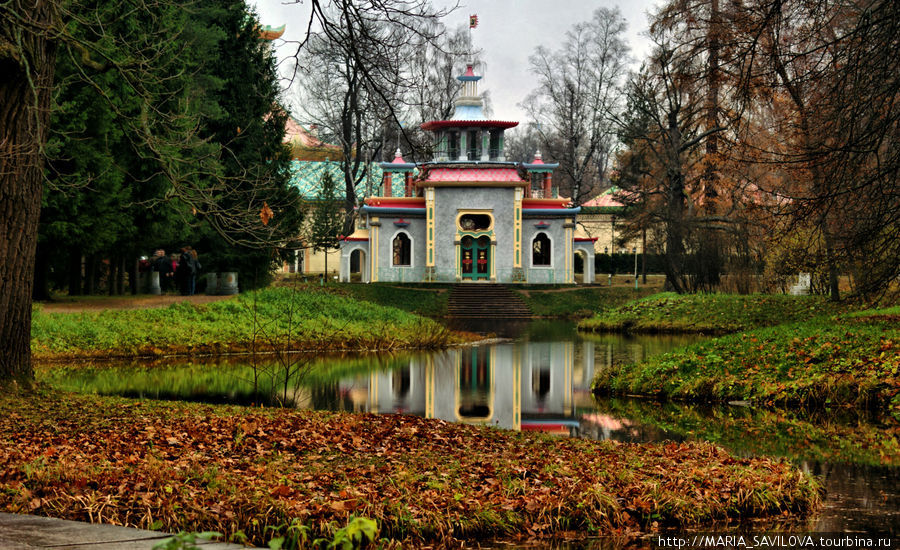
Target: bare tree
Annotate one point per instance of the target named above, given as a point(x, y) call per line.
point(30, 35)
point(579, 89)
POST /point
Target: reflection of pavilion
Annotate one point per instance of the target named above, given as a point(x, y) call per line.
point(516, 386)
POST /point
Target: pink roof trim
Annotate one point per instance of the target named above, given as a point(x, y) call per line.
point(469, 71)
point(473, 174)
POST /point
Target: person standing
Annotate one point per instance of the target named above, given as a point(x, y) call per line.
point(194, 270)
point(163, 265)
point(183, 271)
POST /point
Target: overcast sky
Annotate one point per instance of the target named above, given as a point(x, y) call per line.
point(508, 32)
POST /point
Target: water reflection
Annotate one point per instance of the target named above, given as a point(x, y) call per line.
point(541, 382)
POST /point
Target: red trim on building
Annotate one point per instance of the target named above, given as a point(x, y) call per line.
point(396, 202)
point(586, 239)
point(545, 203)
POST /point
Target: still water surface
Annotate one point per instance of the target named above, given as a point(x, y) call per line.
point(540, 381)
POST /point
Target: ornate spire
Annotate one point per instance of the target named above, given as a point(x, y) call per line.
point(469, 105)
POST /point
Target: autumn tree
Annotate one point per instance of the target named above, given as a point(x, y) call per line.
point(578, 92)
point(828, 70)
point(664, 130)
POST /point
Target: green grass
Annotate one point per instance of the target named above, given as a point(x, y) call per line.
point(851, 359)
point(709, 313)
point(277, 318)
point(575, 302)
point(834, 436)
point(427, 300)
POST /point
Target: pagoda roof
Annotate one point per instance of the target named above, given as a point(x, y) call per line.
point(440, 124)
point(471, 173)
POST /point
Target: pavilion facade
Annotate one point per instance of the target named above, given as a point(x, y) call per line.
point(467, 215)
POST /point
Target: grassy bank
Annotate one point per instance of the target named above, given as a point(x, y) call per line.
point(421, 299)
point(708, 313)
point(558, 301)
point(194, 467)
point(799, 436)
point(852, 359)
point(577, 302)
point(278, 318)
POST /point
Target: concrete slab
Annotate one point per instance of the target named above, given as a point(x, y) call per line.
point(23, 532)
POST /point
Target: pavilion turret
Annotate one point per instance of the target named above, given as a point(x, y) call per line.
point(541, 174)
point(398, 166)
point(468, 136)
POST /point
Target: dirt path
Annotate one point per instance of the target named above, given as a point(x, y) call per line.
point(141, 301)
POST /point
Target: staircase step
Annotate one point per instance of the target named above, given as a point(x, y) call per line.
point(486, 301)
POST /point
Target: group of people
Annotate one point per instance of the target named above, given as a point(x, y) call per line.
point(178, 272)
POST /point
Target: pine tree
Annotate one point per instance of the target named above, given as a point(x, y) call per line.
point(327, 219)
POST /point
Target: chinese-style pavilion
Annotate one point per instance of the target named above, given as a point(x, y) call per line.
point(467, 215)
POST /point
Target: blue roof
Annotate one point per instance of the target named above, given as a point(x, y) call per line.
point(307, 177)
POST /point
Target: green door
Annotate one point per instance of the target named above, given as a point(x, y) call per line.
point(475, 258)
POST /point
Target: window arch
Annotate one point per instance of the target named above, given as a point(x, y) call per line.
point(401, 247)
point(540, 250)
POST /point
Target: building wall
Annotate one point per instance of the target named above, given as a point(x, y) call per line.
point(560, 268)
point(386, 233)
point(607, 228)
point(447, 204)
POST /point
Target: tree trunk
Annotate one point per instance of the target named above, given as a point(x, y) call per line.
point(90, 274)
point(75, 260)
point(120, 275)
point(134, 277)
point(112, 275)
point(27, 60)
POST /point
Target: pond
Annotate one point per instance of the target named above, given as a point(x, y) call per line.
point(540, 381)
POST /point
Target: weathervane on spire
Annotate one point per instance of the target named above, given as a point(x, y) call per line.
point(473, 22)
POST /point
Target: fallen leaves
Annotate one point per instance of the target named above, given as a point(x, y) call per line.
point(179, 466)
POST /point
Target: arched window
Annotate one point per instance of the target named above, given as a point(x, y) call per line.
point(540, 250)
point(402, 247)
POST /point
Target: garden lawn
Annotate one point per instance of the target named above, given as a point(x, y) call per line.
point(421, 299)
point(835, 436)
point(852, 359)
point(273, 319)
point(176, 466)
point(708, 313)
point(576, 302)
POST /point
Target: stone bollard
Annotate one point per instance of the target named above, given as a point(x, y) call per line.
point(154, 283)
point(212, 285)
point(228, 283)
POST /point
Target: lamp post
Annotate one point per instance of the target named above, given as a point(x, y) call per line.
point(606, 252)
point(634, 249)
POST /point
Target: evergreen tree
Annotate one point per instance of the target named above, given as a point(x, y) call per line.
point(248, 124)
point(327, 219)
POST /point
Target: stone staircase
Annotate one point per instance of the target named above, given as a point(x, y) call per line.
point(486, 301)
